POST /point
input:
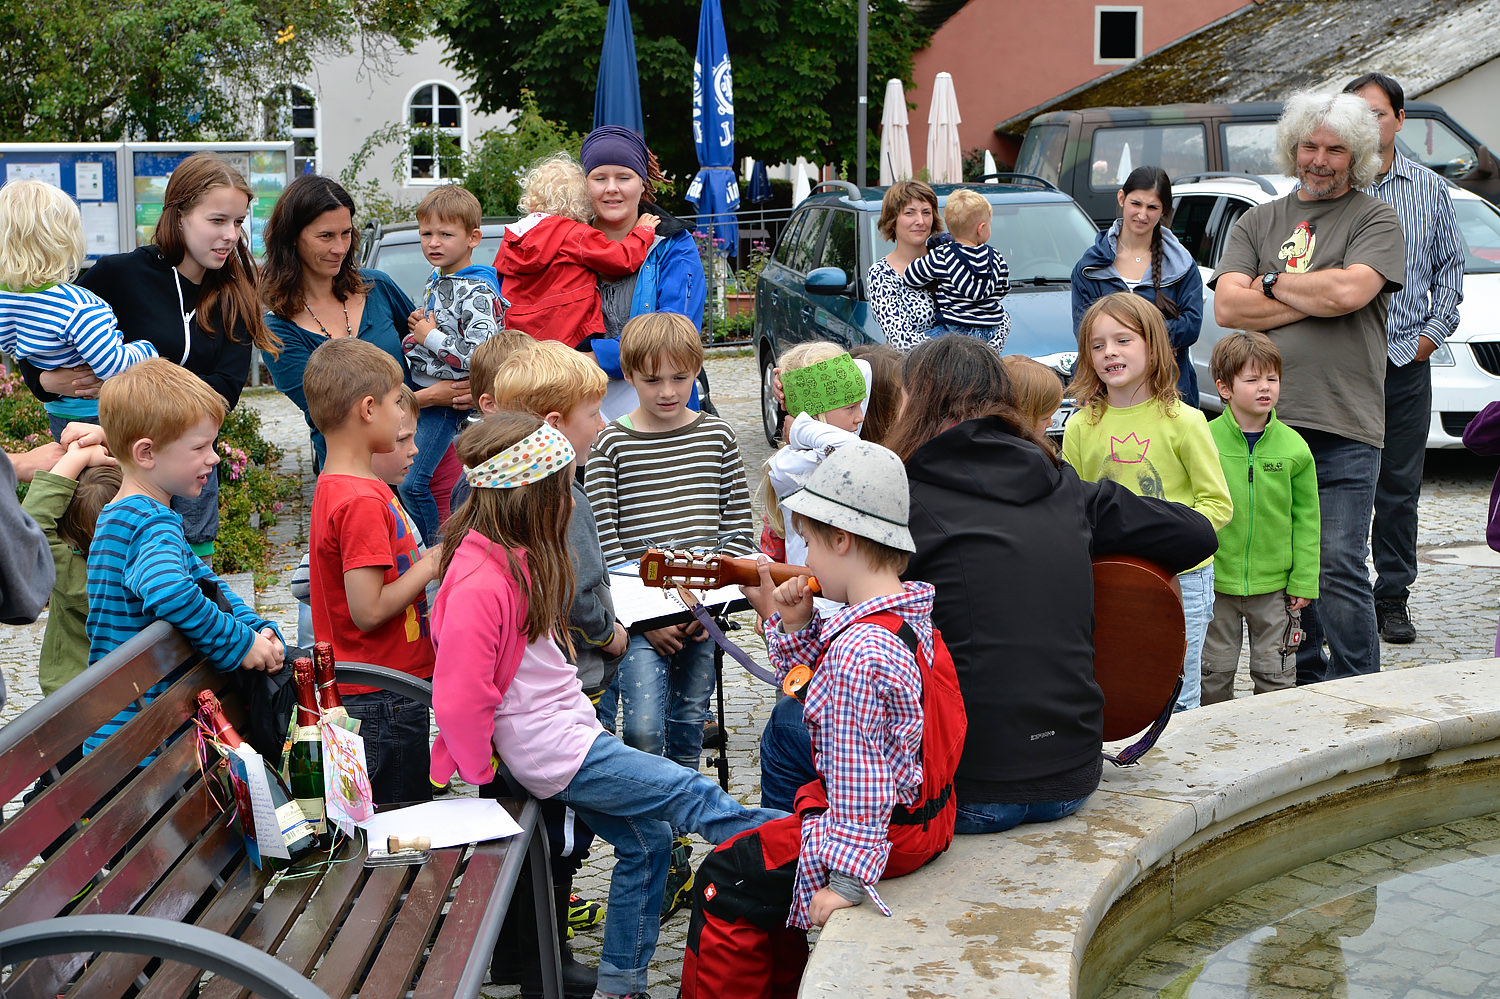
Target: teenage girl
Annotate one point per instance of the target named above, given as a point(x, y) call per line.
point(1036, 389)
point(1132, 427)
point(504, 693)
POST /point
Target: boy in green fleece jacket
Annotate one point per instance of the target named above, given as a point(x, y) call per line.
point(1267, 564)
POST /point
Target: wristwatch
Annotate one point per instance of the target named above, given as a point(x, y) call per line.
point(1268, 283)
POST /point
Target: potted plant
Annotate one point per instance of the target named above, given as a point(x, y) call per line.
point(742, 302)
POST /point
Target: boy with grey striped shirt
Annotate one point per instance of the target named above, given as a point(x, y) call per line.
point(667, 476)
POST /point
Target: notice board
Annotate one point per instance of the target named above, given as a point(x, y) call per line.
point(92, 173)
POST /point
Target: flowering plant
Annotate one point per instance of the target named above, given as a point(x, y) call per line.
point(745, 277)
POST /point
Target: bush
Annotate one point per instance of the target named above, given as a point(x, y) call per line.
point(493, 171)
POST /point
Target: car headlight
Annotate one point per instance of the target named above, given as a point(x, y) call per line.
point(1062, 362)
point(1442, 357)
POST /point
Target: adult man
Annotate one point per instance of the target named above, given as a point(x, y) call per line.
point(1315, 271)
point(1423, 314)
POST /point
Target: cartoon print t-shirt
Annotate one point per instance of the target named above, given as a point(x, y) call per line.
point(1333, 370)
point(1170, 457)
point(358, 523)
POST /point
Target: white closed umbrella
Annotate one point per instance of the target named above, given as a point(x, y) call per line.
point(1126, 166)
point(945, 160)
point(895, 144)
point(989, 166)
point(801, 186)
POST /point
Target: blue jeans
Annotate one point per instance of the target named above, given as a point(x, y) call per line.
point(992, 818)
point(985, 333)
point(786, 760)
point(634, 800)
point(435, 429)
point(1197, 587)
point(665, 698)
point(397, 754)
point(1344, 612)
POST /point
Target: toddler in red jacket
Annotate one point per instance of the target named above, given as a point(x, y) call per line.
point(550, 261)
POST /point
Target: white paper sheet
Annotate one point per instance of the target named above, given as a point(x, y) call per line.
point(268, 832)
point(49, 172)
point(451, 822)
point(101, 227)
point(88, 181)
point(635, 601)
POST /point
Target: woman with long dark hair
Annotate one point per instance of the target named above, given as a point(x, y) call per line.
point(1140, 253)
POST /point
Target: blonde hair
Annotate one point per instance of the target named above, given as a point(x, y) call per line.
point(451, 203)
point(649, 339)
point(964, 212)
point(551, 377)
point(1035, 388)
point(342, 372)
point(487, 358)
point(804, 355)
point(556, 185)
point(409, 401)
point(157, 400)
point(1134, 313)
point(41, 235)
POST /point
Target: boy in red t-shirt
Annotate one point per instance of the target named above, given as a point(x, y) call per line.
point(368, 576)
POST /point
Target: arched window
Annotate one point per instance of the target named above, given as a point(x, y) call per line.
point(436, 116)
point(292, 113)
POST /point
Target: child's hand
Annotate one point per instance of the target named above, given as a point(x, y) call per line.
point(794, 599)
point(666, 641)
point(825, 902)
point(420, 323)
point(94, 454)
point(277, 647)
point(1296, 603)
point(649, 221)
point(432, 561)
point(85, 434)
point(618, 642)
point(263, 655)
point(760, 595)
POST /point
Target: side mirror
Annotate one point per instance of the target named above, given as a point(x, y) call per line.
point(827, 281)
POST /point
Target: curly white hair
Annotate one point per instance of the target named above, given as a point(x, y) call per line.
point(1347, 115)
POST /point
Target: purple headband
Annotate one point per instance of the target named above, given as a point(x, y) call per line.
point(613, 145)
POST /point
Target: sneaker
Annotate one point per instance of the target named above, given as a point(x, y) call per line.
point(601, 994)
point(1394, 623)
point(583, 913)
point(713, 736)
point(679, 878)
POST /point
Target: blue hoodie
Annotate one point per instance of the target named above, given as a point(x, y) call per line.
point(1095, 276)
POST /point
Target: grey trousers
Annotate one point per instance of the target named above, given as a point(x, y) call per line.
point(1265, 615)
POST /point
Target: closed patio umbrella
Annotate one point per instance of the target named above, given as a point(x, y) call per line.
point(716, 189)
point(801, 186)
point(945, 160)
point(895, 144)
point(617, 90)
point(989, 165)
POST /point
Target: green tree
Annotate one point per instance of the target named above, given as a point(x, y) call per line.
point(794, 67)
point(493, 169)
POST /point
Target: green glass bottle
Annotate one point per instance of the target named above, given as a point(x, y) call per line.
point(305, 762)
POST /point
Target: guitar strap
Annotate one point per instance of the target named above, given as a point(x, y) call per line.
point(733, 651)
point(1132, 754)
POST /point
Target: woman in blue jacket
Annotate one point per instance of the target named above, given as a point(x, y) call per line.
point(1139, 253)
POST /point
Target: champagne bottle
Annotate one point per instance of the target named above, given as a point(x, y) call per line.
point(328, 686)
point(296, 831)
point(305, 762)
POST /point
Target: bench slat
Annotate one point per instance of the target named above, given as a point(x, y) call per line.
point(269, 927)
point(404, 945)
point(455, 940)
point(227, 911)
point(362, 931)
point(339, 888)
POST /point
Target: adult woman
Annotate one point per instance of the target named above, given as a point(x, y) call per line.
point(192, 293)
point(908, 215)
point(1139, 253)
point(621, 174)
point(314, 292)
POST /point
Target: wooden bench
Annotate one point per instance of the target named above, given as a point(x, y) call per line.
point(167, 891)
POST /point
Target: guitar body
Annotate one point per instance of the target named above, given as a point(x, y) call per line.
point(1140, 640)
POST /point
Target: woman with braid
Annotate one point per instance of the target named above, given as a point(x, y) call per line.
point(1139, 253)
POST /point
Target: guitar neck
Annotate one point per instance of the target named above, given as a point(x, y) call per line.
point(746, 572)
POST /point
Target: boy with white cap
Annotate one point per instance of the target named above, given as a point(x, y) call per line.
point(887, 723)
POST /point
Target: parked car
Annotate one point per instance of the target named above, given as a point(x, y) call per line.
point(814, 288)
point(1088, 152)
point(1465, 370)
point(396, 249)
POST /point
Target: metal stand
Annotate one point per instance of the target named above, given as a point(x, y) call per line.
point(721, 758)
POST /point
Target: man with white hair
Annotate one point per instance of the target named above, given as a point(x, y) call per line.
point(1315, 270)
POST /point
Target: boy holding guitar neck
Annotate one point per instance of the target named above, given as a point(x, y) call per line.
point(887, 722)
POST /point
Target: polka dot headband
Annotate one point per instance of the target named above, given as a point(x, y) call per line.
point(530, 460)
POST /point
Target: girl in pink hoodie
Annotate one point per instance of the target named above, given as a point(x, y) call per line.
point(504, 693)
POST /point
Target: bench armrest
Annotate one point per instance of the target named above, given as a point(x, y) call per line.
point(194, 946)
point(385, 678)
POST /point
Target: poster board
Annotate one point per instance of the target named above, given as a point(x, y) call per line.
point(267, 166)
point(91, 173)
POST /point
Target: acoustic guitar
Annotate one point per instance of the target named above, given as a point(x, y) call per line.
point(1140, 635)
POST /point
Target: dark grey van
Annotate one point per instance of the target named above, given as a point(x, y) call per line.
point(1088, 152)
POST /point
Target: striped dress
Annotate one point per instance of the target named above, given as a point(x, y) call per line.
point(676, 488)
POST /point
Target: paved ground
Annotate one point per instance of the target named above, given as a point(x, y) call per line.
point(1453, 604)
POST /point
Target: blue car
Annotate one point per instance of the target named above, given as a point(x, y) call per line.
point(814, 288)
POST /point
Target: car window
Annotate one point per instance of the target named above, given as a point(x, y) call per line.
point(1479, 223)
point(839, 245)
point(1038, 240)
point(783, 252)
point(1436, 146)
point(1190, 216)
point(804, 252)
point(1042, 151)
point(1228, 216)
point(1249, 147)
point(408, 267)
point(1177, 149)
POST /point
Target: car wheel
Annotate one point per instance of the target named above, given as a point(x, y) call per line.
point(771, 414)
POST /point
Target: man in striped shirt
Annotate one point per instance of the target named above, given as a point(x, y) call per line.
point(1423, 314)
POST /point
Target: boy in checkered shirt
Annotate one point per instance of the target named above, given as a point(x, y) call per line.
point(886, 720)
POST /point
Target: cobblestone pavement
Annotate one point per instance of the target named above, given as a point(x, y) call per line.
point(1453, 605)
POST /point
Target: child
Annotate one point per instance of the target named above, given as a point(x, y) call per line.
point(368, 575)
point(552, 260)
point(664, 474)
point(1482, 436)
point(160, 422)
point(884, 401)
point(1132, 428)
point(967, 275)
point(1266, 568)
point(459, 310)
point(504, 693)
point(1036, 391)
point(887, 723)
point(44, 318)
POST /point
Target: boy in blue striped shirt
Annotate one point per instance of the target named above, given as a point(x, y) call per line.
point(44, 318)
point(160, 422)
point(966, 275)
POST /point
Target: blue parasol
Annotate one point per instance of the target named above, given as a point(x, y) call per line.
point(760, 184)
point(716, 189)
point(617, 94)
